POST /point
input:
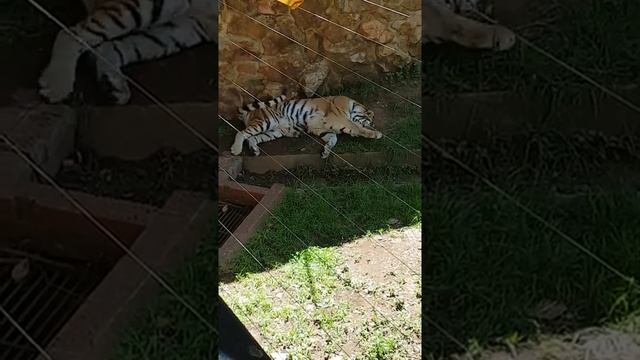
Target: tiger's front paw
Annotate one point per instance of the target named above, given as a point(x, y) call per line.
point(325, 154)
point(378, 135)
point(56, 84)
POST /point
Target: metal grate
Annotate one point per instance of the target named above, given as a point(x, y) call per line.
point(231, 216)
point(41, 302)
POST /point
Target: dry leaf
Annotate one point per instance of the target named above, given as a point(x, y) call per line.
point(20, 270)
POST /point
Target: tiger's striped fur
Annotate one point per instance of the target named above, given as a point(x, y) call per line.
point(452, 21)
point(124, 32)
point(324, 117)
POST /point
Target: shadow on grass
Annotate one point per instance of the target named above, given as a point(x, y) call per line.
point(490, 266)
point(309, 221)
point(167, 330)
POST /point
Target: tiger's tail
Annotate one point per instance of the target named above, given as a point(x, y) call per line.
point(245, 109)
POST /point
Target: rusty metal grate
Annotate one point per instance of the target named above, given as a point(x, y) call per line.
point(41, 302)
point(231, 216)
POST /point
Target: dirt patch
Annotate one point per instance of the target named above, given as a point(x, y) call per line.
point(366, 276)
point(149, 181)
point(389, 285)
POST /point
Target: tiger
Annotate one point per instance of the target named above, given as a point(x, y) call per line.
point(454, 21)
point(325, 117)
point(124, 32)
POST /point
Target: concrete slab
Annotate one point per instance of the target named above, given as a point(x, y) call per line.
point(46, 133)
point(134, 132)
point(264, 164)
point(37, 218)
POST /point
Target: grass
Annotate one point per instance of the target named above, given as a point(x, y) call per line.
point(405, 119)
point(366, 204)
point(600, 38)
point(512, 263)
point(308, 272)
point(585, 185)
point(167, 330)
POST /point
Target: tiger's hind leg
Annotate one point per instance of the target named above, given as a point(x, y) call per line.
point(158, 42)
point(249, 132)
point(262, 138)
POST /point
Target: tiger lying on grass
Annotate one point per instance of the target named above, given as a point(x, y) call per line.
point(452, 21)
point(324, 117)
point(124, 32)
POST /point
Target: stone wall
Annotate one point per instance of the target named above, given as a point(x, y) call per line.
point(353, 52)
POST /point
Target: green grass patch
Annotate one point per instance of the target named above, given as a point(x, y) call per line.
point(167, 330)
point(307, 279)
point(404, 119)
point(492, 264)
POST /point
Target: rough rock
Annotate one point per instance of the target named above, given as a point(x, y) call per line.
point(304, 65)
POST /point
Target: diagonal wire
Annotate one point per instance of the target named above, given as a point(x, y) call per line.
point(319, 196)
point(87, 214)
point(334, 208)
point(361, 35)
point(341, 158)
point(137, 85)
point(309, 245)
point(512, 199)
point(281, 285)
point(386, 8)
point(324, 56)
point(24, 333)
point(447, 155)
point(304, 87)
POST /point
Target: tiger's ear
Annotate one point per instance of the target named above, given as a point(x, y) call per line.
point(369, 113)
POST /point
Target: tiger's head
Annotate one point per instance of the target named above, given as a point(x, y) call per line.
point(362, 115)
